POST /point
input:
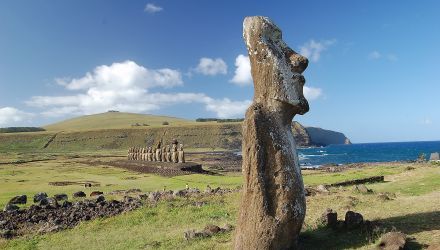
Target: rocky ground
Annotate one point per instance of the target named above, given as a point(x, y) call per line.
point(58, 213)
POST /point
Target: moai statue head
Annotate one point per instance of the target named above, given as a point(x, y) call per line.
point(276, 68)
point(174, 147)
point(181, 147)
point(168, 148)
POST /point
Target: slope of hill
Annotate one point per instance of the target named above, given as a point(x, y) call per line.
point(113, 120)
point(114, 131)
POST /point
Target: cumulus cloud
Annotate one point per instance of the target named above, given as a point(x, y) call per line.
point(313, 49)
point(312, 93)
point(208, 66)
point(152, 8)
point(127, 87)
point(242, 74)
point(10, 116)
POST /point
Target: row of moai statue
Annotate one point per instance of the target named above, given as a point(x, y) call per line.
point(168, 153)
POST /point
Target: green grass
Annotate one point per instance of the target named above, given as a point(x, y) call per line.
point(415, 210)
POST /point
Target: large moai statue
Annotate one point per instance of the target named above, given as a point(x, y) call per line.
point(181, 154)
point(273, 204)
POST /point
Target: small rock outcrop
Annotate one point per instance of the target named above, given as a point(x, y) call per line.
point(208, 231)
point(392, 241)
point(273, 205)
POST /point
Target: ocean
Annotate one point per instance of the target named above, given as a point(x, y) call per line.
point(366, 152)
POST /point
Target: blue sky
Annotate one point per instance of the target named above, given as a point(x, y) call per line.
point(372, 73)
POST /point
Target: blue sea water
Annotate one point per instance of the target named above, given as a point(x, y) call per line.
point(366, 152)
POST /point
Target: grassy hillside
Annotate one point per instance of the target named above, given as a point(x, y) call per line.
point(113, 120)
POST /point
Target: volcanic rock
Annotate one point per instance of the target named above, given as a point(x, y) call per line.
point(353, 219)
point(39, 196)
point(20, 199)
point(79, 194)
point(60, 197)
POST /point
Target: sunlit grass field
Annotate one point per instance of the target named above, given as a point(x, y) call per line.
point(415, 210)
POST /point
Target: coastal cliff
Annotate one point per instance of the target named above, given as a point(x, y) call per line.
point(324, 137)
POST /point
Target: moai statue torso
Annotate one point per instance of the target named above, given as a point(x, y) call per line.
point(181, 154)
point(273, 200)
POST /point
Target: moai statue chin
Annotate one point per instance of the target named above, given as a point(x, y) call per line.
point(273, 202)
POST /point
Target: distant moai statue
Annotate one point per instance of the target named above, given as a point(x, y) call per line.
point(149, 158)
point(144, 154)
point(153, 154)
point(273, 203)
point(164, 154)
point(168, 154)
point(159, 151)
point(181, 154)
point(175, 156)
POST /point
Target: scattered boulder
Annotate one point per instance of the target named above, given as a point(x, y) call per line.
point(49, 203)
point(179, 193)
point(361, 188)
point(20, 199)
point(79, 194)
point(154, 196)
point(212, 229)
point(66, 204)
point(39, 196)
point(10, 207)
point(329, 218)
point(322, 189)
point(353, 220)
point(96, 193)
point(208, 231)
point(392, 241)
point(61, 197)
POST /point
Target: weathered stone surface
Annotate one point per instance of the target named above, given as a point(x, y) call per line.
point(19, 199)
point(39, 196)
point(273, 201)
point(353, 219)
point(392, 241)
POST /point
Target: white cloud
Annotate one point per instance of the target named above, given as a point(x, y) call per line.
point(127, 87)
point(313, 49)
point(312, 93)
point(226, 108)
point(242, 74)
point(426, 121)
point(152, 8)
point(10, 116)
point(376, 55)
point(208, 66)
